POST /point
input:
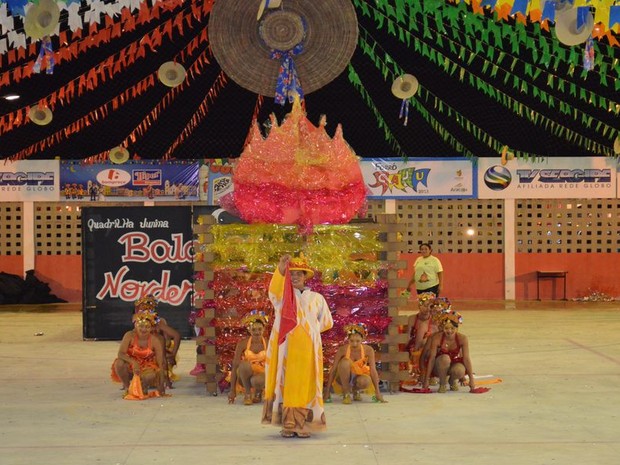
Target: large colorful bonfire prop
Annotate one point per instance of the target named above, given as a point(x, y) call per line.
point(297, 175)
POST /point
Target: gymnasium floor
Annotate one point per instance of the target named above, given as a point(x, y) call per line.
point(559, 402)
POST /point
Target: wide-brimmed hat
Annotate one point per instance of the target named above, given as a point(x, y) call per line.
point(118, 155)
point(40, 115)
point(405, 86)
point(566, 29)
point(270, 4)
point(41, 20)
point(300, 264)
point(171, 74)
point(327, 30)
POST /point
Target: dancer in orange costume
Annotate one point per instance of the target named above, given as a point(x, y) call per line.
point(140, 355)
point(354, 368)
point(248, 367)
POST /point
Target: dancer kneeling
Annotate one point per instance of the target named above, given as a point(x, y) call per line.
point(448, 355)
point(354, 367)
point(248, 366)
point(169, 337)
point(140, 360)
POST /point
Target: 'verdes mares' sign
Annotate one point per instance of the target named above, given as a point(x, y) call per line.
point(551, 178)
point(29, 181)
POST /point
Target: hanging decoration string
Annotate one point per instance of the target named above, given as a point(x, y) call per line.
point(109, 67)
point(45, 51)
point(288, 84)
point(404, 111)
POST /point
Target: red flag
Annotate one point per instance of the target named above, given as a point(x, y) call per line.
point(288, 319)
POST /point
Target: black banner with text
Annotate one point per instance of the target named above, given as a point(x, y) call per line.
point(129, 252)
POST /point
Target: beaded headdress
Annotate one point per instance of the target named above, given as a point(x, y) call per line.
point(424, 297)
point(252, 317)
point(359, 328)
point(146, 303)
point(451, 315)
point(440, 304)
point(144, 317)
point(437, 307)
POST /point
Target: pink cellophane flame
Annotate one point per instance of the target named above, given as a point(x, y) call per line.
point(298, 175)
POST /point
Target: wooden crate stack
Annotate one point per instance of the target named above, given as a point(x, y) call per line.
point(206, 343)
point(393, 360)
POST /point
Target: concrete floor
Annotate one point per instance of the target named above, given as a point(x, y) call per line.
point(559, 402)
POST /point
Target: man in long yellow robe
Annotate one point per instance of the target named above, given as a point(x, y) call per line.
point(294, 365)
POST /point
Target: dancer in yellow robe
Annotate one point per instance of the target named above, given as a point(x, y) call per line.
point(294, 365)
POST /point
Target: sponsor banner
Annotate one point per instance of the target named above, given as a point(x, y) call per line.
point(130, 252)
point(132, 181)
point(29, 181)
point(553, 178)
point(215, 180)
point(419, 178)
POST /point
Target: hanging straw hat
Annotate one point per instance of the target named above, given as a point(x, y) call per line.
point(566, 30)
point(242, 47)
point(267, 4)
point(41, 20)
point(405, 86)
point(118, 155)
point(617, 145)
point(40, 115)
point(561, 5)
point(171, 74)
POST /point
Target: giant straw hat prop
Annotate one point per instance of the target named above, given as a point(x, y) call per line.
point(568, 29)
point(40, 115)
point(325, 30)
point(41, 20)
point(405, 86)
point(171, 74)
point(118, 155)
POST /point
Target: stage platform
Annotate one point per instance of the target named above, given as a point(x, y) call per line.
point(558, 402)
